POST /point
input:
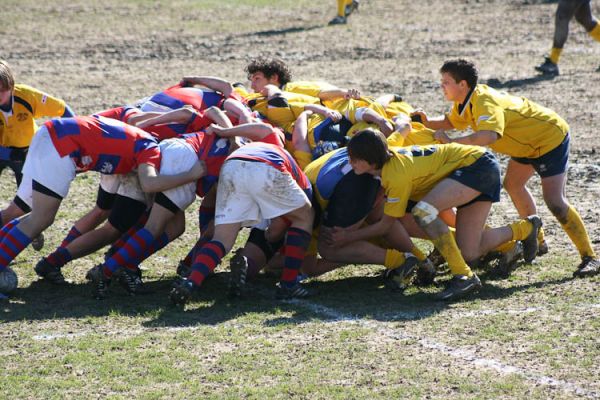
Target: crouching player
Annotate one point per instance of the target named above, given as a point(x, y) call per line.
point(63, 146)
point(258, 181)
point(439, 177)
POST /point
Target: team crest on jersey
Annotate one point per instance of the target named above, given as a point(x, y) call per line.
point(107, 163)
point(21, 117)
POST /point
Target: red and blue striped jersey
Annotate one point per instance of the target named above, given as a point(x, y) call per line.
point(211, 149)
point(176, 97)
point(102, 144)
point(275, 156)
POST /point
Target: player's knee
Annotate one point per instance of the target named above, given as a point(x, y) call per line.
point(559, 209)
point(424, 213)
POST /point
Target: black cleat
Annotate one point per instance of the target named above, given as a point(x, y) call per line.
point(183, 270)
point(131, 281)
point(542, 248)
point(338, 20)
point(589, 267)
point(508, 260)
point(182, 291)
point(295, 292)
point(426, 273)
point(350, 8)
point(38, 242)
point(49, 272)
point(398, 279)
point(548, 67)
point(100, 283)
point(239, 271)
point(459, 286)
point(530, 244)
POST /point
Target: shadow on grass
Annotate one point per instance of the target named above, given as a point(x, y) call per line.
point(513, 83)
point(362, 297)
point(276, 32)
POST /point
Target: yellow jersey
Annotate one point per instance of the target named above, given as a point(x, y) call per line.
point(413, 171)
point(18, 126)
point(525, 129)
point(309, 88)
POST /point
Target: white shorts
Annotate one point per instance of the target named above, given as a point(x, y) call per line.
point(129, 186)
point(109, 183)
point(44, 165)
point(176, 157)
point(249, 192)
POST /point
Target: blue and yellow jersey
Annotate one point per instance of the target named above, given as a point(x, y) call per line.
point(18, 126)
point(525, 128)
point(325, 172)
point(413, 171)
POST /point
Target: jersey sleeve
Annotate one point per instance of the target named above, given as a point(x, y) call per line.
point(396, 197)
point(150, 154)
point(488, 115)
point(45, 105)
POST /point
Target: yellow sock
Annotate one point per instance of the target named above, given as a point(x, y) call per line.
point(418, 253)
point(555, 55)
point(341, 8)
point(577, 233)
point(541, 238)
point(521, 229)
point(446, 245)
point(595, 33)
point(393, 259)
point(505, 247)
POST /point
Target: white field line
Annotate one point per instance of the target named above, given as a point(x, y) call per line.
point(456, 352)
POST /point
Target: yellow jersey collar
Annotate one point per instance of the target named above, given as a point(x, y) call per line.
point(462, 106)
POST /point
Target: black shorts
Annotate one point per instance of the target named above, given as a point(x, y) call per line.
point(483, 175)
point(125, 213)
point(555, 162)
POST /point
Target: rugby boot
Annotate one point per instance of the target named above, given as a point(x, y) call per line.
point(548, 67)
point(530, 243)
point(239, 272)
point(459, 286)
point(49, 272)
point(398, 279)
point(589, 267)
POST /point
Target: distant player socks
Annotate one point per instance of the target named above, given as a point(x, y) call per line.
point(295, 246)
point(446, 245)
point(595, 33)
point(206, 260)
point(555, 54)
point(12, 244)
point(133, 249)
point(72, 235)
point(574, 227)
point(59, 257)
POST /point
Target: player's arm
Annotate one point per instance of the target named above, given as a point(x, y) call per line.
point(253, 130)
point(339, 236)
point(324, 111)
point(436, 123)
point(300, 132)
point(218, 116)
point(138, 117)
point(239, 110)
point(369, 115)
point(179, 116)
point(479, 138)
point(332, 94)
point(152, 182)
point(211, 82)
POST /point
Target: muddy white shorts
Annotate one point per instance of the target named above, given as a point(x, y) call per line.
point(44, 165)
point(250, 191)
point(176, 157)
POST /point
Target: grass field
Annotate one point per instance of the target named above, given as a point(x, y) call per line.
point(535, 335)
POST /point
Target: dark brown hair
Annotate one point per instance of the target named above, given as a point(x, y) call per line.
point(461, 70)
point(270, 67)
point(369, 145)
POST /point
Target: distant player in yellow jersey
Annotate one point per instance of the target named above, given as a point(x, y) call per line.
point(437, 178)
point(20, 106)
point(344, 9)
point(536, 138)
point(566, 10)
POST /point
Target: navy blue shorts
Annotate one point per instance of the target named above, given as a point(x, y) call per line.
point(555, 162)
point(483, 175)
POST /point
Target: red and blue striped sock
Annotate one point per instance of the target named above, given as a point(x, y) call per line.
point(296, 243)
point(12, 244)
point(72, 235)
point(189, 258)
point(206, 260)
point(205, 215)
point(9, 225)
point(158, 244)
point(59, 257)
point(120, 242)
point(133, 249)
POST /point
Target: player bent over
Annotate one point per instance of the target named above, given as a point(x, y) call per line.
point(536, 138)
point(59, 149)
point(439, 177)
point(258, 181)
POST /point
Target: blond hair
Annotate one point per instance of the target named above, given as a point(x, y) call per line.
point(7, 79)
